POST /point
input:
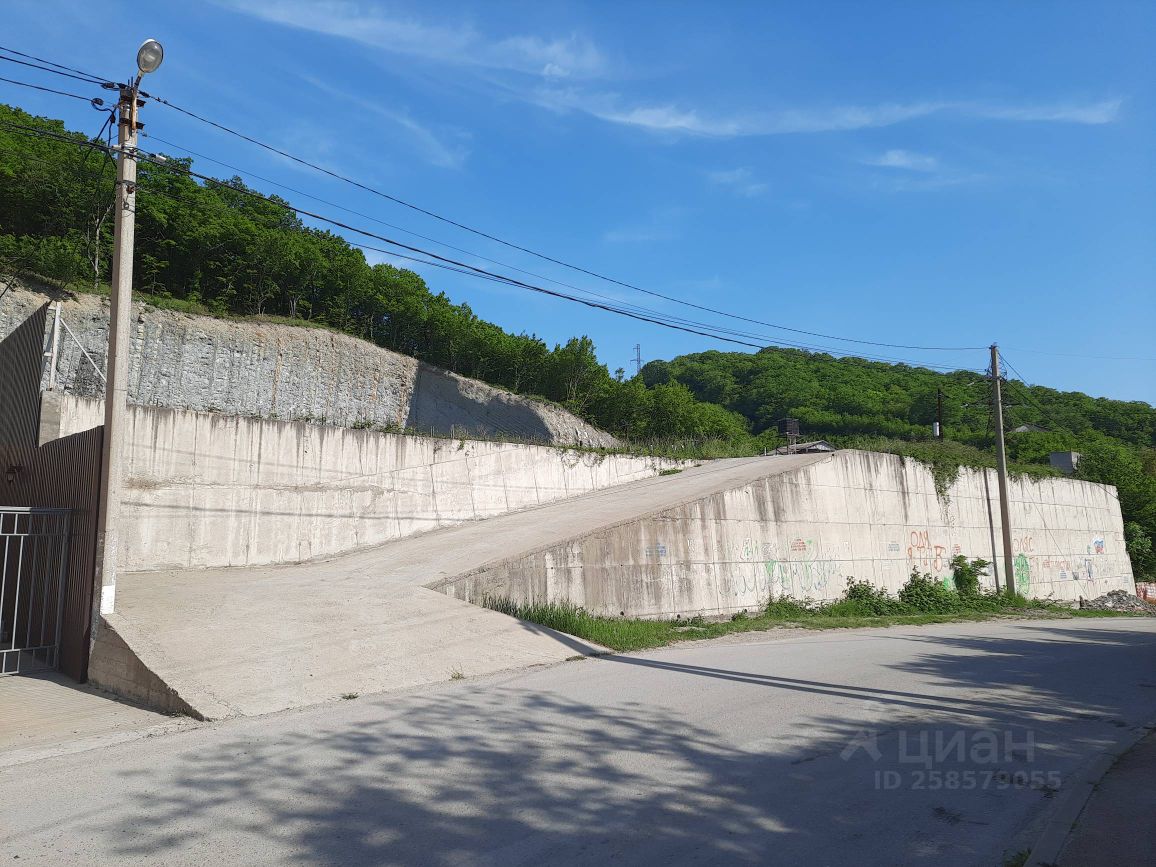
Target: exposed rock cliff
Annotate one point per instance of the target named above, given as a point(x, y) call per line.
point(287, 372)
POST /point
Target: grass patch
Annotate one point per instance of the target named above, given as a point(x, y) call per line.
point(627, 634)
point(920, 602)
point(1083, 612)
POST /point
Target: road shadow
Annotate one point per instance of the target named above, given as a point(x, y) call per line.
point(515, 772)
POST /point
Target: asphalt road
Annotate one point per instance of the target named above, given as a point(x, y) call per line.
point(796, 749)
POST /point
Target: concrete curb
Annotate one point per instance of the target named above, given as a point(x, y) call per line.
point(1050, 842)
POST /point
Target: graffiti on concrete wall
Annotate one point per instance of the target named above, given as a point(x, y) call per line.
point(801, 578)
point(926, 556)
point(1023, 573)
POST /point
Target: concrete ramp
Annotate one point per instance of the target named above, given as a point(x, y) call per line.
point(712, 539)
point(216, 643)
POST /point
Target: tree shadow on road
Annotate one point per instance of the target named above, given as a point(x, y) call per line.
point(516, 773)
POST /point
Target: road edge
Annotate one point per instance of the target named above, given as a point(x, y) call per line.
point(1051, 840)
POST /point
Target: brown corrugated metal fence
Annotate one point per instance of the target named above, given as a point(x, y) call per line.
point(63, 473)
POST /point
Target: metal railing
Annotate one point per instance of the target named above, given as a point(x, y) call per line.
point(33, 563)
point(52, 350)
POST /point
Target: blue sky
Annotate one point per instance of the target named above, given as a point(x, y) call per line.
point(946, 174)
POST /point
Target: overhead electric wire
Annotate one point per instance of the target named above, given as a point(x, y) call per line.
point(86, 79)
point(619, 302)
point(72, 72)
point(59, 66)
point(91, 99)
point(1025, 389)
point(440, 261)
point(529, 251)
point(651, 316)
point(396, 227)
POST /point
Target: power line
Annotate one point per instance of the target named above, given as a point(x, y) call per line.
point(381, 222)
point(86, 80)
point(543, 256)
point(440, 261)
point(619, 304)
point(60, 69)
point(512, 267)
point(651, 316)
point(97, 101)
point(72, 72)
point(1025, 389)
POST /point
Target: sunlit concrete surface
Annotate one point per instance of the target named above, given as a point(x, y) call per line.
point(42, 714)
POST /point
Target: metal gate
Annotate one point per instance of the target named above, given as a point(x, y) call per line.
point(33, 560)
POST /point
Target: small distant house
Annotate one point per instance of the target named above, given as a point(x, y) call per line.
point(805, 448)
point(1029, 428)
point(1065, 462)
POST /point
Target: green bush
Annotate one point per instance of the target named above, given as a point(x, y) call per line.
point(926, 595)
point(967, 573)
point(788, 609)
point(863, 597)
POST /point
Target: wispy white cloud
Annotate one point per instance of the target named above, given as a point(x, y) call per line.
point(673, 119)
point(925, 183)
point(908, 171)
point(569, 56)
point(669, 118)
point(901, 159)
point(740, 181)
point(1092, 113)
point(556, 72)
point(447, 149)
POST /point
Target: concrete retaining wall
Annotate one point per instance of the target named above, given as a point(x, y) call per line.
point(289, 373)
point(209, 490)
point(804, 533)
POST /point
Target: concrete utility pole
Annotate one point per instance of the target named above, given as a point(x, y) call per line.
point(938, 414)
point(1001, 471)
point(148, 58)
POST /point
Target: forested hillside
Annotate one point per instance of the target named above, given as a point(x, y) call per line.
point(215, 249)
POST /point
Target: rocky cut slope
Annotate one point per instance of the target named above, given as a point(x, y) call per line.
point(286, 372)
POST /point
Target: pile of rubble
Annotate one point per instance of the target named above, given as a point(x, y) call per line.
point(1118, 600)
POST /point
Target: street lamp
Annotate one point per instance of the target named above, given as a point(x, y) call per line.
point(149, 56)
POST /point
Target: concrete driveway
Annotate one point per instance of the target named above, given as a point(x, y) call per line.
point(940, 745)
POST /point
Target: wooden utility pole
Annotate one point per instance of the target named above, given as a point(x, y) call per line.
point(1001, 471)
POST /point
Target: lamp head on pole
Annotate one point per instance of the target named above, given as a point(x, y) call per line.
point(149, 56)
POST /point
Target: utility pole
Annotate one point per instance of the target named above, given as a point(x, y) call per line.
point(149, 57)
point(938, 414)
point(637, 358)
point(1001, 471)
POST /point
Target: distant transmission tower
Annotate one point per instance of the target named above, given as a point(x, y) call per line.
point(637, 358)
